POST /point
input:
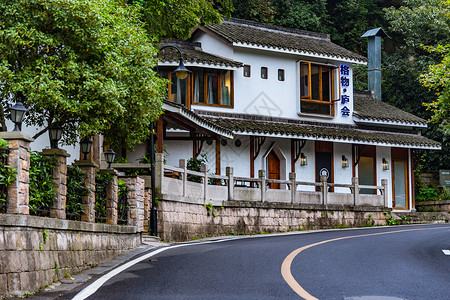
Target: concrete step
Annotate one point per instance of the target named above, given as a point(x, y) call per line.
point(150, 239)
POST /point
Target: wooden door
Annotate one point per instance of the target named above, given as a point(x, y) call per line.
point(273, 163)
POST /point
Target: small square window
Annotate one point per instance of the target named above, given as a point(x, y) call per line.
point(246, 71)
point(280, 74)
point(264, 73)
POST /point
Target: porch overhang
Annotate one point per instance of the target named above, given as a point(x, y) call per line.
point(180, 114)
point(348, 134)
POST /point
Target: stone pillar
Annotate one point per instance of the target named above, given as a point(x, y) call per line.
point(147, 207)
point(292, 177)
point(136, 187)
point(159, 173)
point(355, 190)
point(59, 175)
point(88, 167)
point(324, 188)
point(384, 192)
point(204, 170)
point(112, 196)
point(262, 178)
point(229, 173)
point(19, 159)
point(182, 164)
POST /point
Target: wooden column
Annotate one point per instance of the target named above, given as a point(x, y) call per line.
point(217, 155)
point(160, 135)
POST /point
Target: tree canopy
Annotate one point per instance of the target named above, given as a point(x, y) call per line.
point(88, 65)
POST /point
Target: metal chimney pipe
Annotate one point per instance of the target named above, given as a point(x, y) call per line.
point(374, 55)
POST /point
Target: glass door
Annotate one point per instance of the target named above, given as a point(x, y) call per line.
point(400, 184)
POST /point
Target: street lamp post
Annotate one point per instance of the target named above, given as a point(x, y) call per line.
point(17, 113)
point(181, 72)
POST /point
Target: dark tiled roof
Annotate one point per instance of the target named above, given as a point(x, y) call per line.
point(246, 32)
point(366, 108)
point(192, 53)
point(344, 133)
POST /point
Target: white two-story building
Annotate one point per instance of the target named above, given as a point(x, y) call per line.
point(282, 100)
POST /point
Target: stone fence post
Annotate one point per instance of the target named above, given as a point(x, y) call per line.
point(159, 173)
point(292, 177)
point(324, 188)
point(136, 193)
point(88, 168)
point(229, 173)
point(384, 183)
point(262, 178)
point(112, 196)
point(19, 159)
point(355, 190)
point(182, 164)
point(204, 170)
point(59, 175)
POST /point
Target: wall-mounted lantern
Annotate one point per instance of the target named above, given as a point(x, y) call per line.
point(385, 164)
point(85, 145)
point(17, 113)
point(109, 157)
point(344, 162)
point(303, 159)
point(55, 133)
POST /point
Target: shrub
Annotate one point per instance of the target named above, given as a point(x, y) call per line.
point(194, 164)
point(101, 182)
point(427, 194)
point(42, 191)
point(76, 190)
point(122, 205)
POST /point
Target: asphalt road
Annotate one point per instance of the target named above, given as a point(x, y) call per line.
point(401, 262)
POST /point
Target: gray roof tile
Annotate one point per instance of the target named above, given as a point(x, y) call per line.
point(192, 53)
point(246, 32)
point(368, 109)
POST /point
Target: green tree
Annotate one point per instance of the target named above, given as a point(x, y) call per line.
point(170, 19)
point(413, 25)
point(86, 65)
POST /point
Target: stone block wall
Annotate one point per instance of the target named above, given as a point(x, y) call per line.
point(136, 199)
point(180, 221)
point(34, 251)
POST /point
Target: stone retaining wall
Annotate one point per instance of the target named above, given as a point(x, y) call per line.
point(443, 205)
point(35, 251)
point(180, 221)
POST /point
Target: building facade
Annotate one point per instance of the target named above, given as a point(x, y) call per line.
point(268, 98)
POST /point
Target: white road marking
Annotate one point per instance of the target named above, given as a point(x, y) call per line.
point(92, 288)
point(446, 252)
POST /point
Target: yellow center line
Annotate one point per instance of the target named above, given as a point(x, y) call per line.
point(286, 266)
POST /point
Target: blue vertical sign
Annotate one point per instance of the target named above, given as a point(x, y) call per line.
point(345, 85)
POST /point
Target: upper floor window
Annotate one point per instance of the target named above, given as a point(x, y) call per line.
point(264, 73)
point(212, 87)
point(202, 86)
point(319, 88)
point(246, 71)
point(280, 74)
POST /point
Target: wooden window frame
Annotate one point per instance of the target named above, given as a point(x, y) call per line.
point(335, 95)
point(282, 72)
point(189, 92)
point(267, 73)
point(249, 70)
point(219, 91)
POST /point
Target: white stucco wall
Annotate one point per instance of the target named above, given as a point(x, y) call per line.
point(271, 97)
point(342, 175)
point(213, 45)
point(384, 152)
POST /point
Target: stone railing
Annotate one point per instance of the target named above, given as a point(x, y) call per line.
point(174, 183)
